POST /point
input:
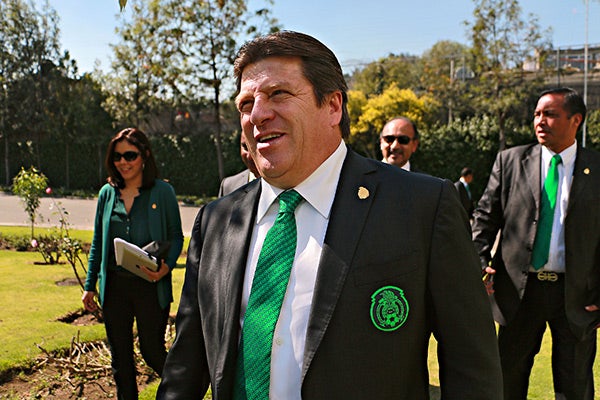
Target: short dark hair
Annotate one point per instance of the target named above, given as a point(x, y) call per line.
point(138, 139)
point(410, 121)
point(320, 66)
point(466, 171)
point(573, 102)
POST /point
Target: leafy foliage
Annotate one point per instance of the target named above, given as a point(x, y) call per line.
point(177, 55)
point(28, 47)
point(446, 149)
point(593, 130)
point(43, 100)
point(502, 43)
point(376, 110)
point(400, 70)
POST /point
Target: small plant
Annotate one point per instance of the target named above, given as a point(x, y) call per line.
point(60, 243)
point(29, 185)
point(48, 246)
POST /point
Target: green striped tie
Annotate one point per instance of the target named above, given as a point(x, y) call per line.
point(541, 245)
point(268, 289)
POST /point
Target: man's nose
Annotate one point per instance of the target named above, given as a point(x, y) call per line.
point(261, 111)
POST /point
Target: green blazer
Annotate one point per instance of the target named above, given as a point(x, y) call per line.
point(164, 222)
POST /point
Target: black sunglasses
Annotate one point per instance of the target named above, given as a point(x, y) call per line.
point(128, 156)
point(402, 139)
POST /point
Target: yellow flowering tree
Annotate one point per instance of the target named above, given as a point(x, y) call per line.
point(369, 115)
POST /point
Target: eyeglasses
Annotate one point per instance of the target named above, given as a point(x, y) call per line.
point(128, 156)
point(402, 139)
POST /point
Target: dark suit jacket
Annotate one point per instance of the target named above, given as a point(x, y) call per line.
point(465, 200)
point(231, 183)
point(511, 203)
point(407, 233)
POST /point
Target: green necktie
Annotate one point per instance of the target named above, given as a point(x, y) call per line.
point(541, 245)
point(268, 289)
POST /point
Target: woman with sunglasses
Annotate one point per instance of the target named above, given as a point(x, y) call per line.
point(140, 208)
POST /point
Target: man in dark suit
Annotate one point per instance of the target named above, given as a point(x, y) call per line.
point(559, 286)
point(364, 293)
point(231, 183)
point(398, 140)
point(464, 191)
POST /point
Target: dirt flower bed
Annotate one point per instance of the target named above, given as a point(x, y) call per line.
point(80, 372)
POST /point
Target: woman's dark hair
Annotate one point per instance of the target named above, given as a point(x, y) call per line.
point(320, 66)
point(138, 139)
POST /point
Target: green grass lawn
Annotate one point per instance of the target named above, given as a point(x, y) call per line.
point(31, 302)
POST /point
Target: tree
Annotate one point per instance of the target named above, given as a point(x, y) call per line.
point(28, 46)
point(375, 111)
point(502, 43)
point(138, 85)
point(74, 114)
point(402, 70)
point(445, 73)
point(212, 31)
point(180, 53)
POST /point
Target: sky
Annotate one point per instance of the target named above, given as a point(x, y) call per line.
point(358, 32)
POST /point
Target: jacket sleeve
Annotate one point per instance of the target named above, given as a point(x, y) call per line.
point(173, 223)
point(95, 255)
point(185, 374)
point(461, 318)
point(488, 215)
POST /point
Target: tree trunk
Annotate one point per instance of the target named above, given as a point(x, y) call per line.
point(501, 132)
point(6, 158)
point(67, 177)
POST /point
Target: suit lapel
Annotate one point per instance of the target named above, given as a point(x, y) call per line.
point(341, 240)
point(237, 240)
point(531, 166)
point(581, 177)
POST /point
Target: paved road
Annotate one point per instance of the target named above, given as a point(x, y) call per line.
point(81, 213)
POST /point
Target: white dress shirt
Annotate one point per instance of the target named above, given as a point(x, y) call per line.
point(312, 219)
point(556, 256)
point(405, 167)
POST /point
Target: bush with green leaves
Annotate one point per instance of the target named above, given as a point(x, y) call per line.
point(29, 185)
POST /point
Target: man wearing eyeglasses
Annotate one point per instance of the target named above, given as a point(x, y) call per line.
point(399, 139)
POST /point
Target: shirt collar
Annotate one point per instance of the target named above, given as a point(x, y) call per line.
point(405, 167)
point(318, 189)
point(567, 155)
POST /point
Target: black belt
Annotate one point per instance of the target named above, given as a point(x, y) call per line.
point(547, 276)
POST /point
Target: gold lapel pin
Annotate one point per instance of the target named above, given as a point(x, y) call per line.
point(154, 206)
point(586, 171)
point(363, 192)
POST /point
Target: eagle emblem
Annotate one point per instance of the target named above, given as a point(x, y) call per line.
point(389, 308)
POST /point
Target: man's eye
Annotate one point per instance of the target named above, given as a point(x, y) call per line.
point(279, 92)
point(245, 107)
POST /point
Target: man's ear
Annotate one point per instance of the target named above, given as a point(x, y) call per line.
point(334, 103)
point(577, 119)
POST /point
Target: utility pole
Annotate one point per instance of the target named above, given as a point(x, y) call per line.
point(585, 69)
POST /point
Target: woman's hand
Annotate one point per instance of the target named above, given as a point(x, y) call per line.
point(89, 301)
point(157, 275)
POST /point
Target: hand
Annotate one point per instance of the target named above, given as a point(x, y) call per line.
point(488, 280)
point(157, 275)
point(592, 308)
point(89, 301)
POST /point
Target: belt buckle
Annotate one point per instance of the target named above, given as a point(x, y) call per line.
point(547, 276)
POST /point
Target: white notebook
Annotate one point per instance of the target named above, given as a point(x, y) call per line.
point(130, 257)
